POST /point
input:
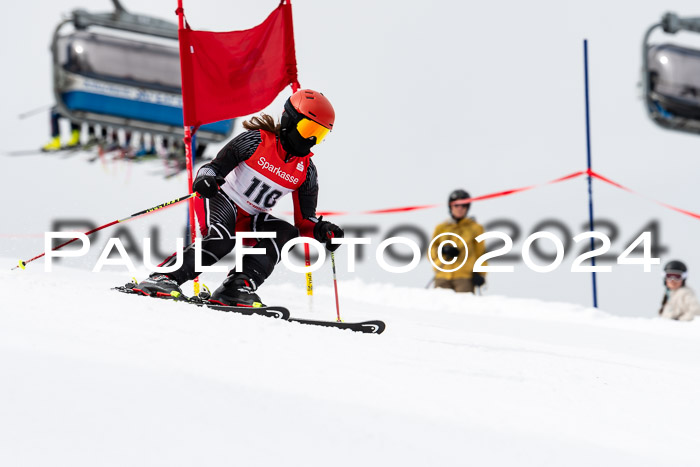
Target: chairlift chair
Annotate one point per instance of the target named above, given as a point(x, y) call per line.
point(671, 77)
point(127, 78)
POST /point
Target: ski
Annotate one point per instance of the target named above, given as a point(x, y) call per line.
point(66, 151)
point(278, 312)
point(24, 152)
point(367, 327)
point(179, 166)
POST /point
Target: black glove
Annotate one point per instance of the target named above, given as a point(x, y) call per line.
point(208, 185)
point(322, 231)
point(449, 252)
point(477, 279)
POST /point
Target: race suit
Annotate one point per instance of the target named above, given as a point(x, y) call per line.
point(258, 172)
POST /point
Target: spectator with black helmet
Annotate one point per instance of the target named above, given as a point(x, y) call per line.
point(679, 302)
point(451, 255)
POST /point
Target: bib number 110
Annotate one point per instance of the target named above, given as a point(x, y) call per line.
point(259, 190)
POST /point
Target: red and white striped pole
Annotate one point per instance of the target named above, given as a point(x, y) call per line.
point(335, 281)
point(188, 144)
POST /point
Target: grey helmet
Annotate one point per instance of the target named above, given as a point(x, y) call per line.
point(676, 267)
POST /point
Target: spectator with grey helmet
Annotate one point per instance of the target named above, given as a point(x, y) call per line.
point(679, 302)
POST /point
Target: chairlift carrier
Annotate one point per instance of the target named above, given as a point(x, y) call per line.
point(671, 77)
point(122, 80)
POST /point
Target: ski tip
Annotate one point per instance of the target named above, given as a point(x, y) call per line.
point(366, 327)
point(380, 326)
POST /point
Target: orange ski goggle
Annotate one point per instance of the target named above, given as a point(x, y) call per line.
point(308, 128)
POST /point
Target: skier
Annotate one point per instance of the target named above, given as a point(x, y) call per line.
point(679, 301)
point(242, 184)
point(463, 279)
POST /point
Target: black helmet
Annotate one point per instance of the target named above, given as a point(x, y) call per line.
point(456, 195)
point(676, 267)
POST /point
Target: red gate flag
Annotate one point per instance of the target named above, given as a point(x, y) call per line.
point(231, 74)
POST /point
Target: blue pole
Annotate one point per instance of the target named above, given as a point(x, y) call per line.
point(590, 179)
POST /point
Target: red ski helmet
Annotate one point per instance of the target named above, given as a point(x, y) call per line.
point(314, 106)
point(307, 118)
point(310, 113)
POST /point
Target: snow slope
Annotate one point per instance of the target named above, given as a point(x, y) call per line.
point(93, 377)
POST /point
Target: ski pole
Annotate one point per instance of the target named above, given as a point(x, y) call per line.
point(335, 282)
point(22, 264)
point(309, 278)
point(29, 113)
